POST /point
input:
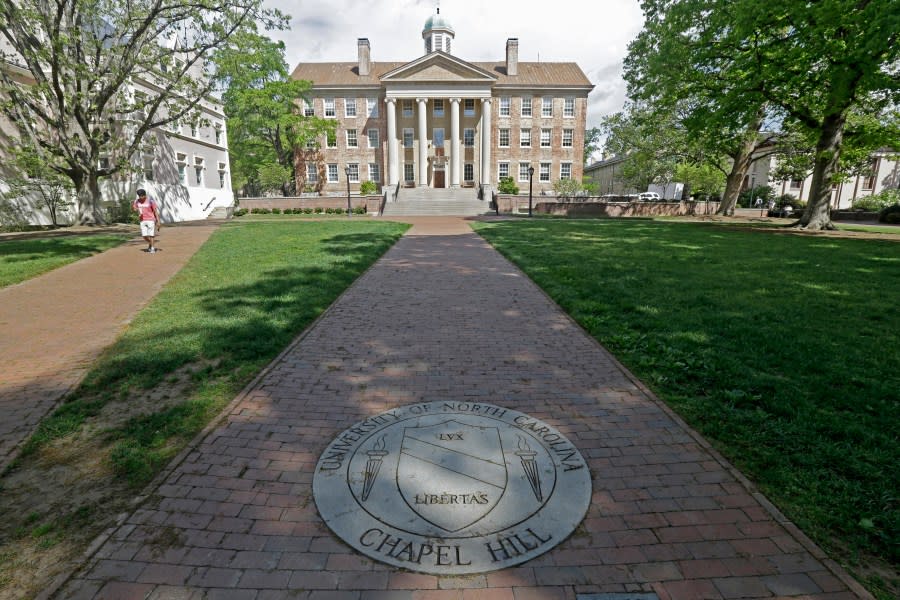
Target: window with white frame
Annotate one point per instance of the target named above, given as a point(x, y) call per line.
point(194, 130)
point(438, 107)
point(525, 138)
point(312, 173)
point(469, 107)
point(523, 171)
point(198, 170)
point(544, 174)
point(408, 138)
point(504, 106)
point(469, 138)
point(526, 106)
point(407, 108)
point(181, 161)
point(373, 138)
point(308, 109)
point(468, 172)
point(349, 107)
point(545, 138)
point(409, 172)
point(504, 138)
point(568, 137)
point(547, 106)
point(148, 168)
point(569, 108)
point(565, 170)
point(502, 170)
point(222, 173)
point(331, 139)
point(352, 141)
point(329, 108)
point(354, 172)
point(311, 143)
point(372, 107)
point(374, 172)
point(332, 173)
point(218, 133)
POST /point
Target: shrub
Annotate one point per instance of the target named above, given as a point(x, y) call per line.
point(319, 210)
point(890, 215)
point(507, 186)
point(566, 188)
point(260, 211)
point(359, 210)
point(308, 210)
point(876, 202)
point(240, 212)
point(276, 211)
point(748, 198)
point(367, 188)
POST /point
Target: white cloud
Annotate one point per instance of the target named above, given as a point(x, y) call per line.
point(593, 33)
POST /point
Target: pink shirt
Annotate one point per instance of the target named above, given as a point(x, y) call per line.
point(146, 209)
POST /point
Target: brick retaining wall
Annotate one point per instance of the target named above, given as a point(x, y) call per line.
point(599, 207)
point(371, 203)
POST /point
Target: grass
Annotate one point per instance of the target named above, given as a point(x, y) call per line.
point(249, 290)
point(24, 259)
point(783, 350)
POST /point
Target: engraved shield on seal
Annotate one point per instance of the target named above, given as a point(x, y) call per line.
point(451, 474)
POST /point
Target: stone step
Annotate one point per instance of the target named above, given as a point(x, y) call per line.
point(436, 202)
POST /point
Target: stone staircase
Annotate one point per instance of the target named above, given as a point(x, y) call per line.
point(423, 201)
point(221, 212)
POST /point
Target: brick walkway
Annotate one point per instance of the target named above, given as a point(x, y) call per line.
point(444, 317)
point(53, 326)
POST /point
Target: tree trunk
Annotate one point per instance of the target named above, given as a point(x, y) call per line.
point(817, 215)
point(88, 209)
point(739, 167)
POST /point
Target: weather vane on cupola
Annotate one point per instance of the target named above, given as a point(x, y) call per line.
point(437, 32)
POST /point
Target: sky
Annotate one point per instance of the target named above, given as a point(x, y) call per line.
point(593, 33)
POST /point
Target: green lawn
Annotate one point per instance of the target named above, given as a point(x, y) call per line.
point(239, 301)
point(783, 350)
point(24, 259)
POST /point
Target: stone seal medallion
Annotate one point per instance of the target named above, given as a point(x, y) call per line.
point(452, 488)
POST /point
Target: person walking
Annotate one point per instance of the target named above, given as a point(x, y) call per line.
point(146, 207)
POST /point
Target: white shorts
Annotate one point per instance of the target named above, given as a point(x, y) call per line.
point(148, 228)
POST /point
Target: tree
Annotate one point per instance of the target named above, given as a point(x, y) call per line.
point(34, 178)
point(94, 78)
point(806, 63)
point(261, 100)
point(592, 138)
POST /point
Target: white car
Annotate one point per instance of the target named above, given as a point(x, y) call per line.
point(649, 197)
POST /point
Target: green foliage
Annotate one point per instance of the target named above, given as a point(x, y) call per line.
point(748, 197)
point(890, 215)
point(359, 210)
point(368, 188)
point(508, 186)
point(701, 180)
point(274, 177)
point(33, 177)
point(592, 138)
point(808, 413)
point(24, 259)
point(566, 188)
point(240, 212)
point(876, 202)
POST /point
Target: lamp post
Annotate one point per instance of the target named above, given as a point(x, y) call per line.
point(347, 172)
point(530, 181)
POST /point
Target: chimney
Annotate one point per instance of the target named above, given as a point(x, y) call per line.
point(512, 56)
point(362, 46)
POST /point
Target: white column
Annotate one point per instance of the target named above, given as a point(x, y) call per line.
point(454, 143)
point(423, 142)
point(393, 174)
point(486, 138)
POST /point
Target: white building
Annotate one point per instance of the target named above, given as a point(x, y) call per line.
point(186, 170)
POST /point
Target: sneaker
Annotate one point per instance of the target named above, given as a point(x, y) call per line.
point(152, 250)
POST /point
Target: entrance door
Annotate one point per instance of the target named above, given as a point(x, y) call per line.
point(439, 179)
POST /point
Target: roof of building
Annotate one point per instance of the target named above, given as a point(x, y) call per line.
point(531, 74)
point(437, 22)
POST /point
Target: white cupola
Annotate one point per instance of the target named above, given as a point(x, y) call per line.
point(437, 33)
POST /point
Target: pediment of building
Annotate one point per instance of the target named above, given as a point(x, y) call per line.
point(438, 67)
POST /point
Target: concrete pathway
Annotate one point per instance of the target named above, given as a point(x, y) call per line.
point(442, 316)
point(53, 326)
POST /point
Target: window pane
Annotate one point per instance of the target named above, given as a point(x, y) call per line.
point(523, 171)
point(350, 106)
point(525, 138)
point(547, 107)
point(504, 106)
point(469, 172)
point(351, 139)
point(469, 137)
point(526, 107)
point(569, 107)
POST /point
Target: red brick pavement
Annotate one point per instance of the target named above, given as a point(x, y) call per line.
point(53, 326)
point(443, 316)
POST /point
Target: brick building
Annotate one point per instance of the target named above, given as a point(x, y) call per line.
point(439, 121)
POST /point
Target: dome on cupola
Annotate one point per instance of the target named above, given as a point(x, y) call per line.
point(437, 33)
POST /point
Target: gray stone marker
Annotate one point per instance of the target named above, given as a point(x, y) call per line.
point(452, 488)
